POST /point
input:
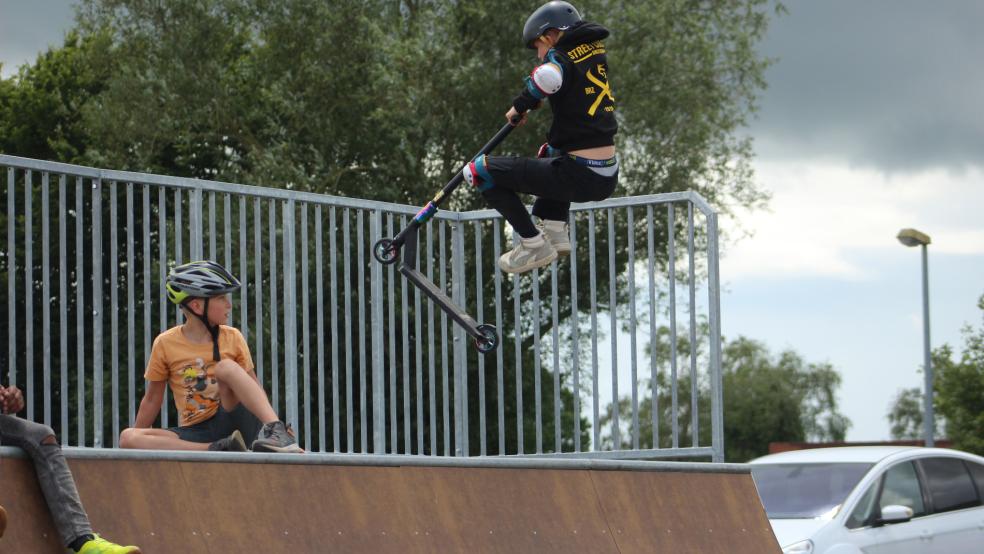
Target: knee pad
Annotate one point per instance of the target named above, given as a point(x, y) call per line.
point(476, 174)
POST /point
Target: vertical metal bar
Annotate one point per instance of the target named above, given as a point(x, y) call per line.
point(432, 409)
point(79, 314)
point(258, 279)
point(347, 280)
point(391, 301)
point(305, 306)
point(714, 309)
point(195, 246)
point(211, 226)
point(319, 296)
point(575, 335)
point(274, 311)
point(444, 345)
point(694, 421)
point(555, 342)
point(12, 279)
point(363, 388)
point(632, 330)
point(460, 379)
point(162, 238)
point(407, 449)
point(178, 241)
point(671, 246)
point(97, 315)
point(499, 356)
point(419, 354)
point(596, 442)
point(332, 262)
point(29, 290)
point(537, 385)
point(227, 246)
point(290, 314)
point(480, 318)
point(46, 296)
point(131, 331)
point(63, 303)
point(518, 339)
point(612, 303)
point(653, 347)
point(114, 313)
point(243, 271)
point(378, 377)
point(147, 302)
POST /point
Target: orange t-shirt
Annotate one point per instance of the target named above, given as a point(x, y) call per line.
point(188, 367)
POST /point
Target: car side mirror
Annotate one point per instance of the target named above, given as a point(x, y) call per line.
point(895, 514)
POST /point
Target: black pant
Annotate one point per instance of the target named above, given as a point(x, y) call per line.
point(556, 182)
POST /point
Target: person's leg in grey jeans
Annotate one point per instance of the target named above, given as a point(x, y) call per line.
point(56, 481)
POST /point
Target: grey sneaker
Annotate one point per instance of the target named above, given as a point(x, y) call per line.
point(559, 239)
point(524, 258)
point(274, 437)
point(232, 443)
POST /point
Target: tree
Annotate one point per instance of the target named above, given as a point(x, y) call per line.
point(767, 398)
point(906, 414)
point(959, 389)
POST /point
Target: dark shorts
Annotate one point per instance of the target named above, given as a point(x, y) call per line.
point(221, 425)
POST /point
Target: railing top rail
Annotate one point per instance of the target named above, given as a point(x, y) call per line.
point(323, 199)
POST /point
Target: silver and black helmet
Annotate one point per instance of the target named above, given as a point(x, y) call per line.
point(202, 279)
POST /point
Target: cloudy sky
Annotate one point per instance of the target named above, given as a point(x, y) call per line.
point(872, 122)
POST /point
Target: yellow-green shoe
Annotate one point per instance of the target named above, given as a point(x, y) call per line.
point(100, 545)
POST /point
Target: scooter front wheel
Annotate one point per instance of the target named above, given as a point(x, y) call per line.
point(385, 251)
point(489, 340)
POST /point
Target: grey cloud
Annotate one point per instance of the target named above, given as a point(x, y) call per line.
point(29, 27)
point(898, 85)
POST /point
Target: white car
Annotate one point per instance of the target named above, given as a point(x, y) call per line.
point(874, 499)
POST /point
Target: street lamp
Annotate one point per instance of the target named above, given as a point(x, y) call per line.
point(912, 237)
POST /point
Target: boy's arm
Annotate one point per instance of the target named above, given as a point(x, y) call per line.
point(150, 405)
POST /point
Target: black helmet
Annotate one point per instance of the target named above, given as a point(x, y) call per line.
point(202, 279)
point(552, 15)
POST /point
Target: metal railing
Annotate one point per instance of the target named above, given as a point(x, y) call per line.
point(350, 353)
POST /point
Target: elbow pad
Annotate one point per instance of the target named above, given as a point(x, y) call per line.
point(545, 80)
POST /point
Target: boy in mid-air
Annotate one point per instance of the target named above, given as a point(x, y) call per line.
point(221, 405)
point(577, 163)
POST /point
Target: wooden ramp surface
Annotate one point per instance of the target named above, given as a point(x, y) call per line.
point(199, 505)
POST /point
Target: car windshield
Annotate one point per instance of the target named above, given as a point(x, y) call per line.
point(791, 491)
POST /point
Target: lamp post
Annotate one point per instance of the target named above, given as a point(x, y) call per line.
point(912, 237)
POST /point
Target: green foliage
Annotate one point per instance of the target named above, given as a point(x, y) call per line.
point(959, 389)
point(767, 398)
point(40, 107)
point(906, 415)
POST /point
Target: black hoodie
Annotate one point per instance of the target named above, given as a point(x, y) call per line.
point(584, 107)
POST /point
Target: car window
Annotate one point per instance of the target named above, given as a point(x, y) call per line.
point(977, 470)
point(863, 510)
point(949, 484)
point(790, 491)
point(902, 489)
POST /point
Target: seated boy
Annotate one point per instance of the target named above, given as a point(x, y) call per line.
point(221, 405)
point(57, 484)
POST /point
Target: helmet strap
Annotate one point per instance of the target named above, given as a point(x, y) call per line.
point(213, 330)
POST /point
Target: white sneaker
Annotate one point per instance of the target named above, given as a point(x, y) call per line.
point(527, 255)
point(558, 233)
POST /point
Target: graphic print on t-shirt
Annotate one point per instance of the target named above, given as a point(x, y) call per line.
point(201, 389)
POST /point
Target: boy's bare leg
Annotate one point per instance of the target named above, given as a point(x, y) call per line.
point(237, 385)
point(157, 439)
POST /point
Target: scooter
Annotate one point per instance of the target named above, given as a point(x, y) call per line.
point(387, 251)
